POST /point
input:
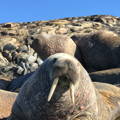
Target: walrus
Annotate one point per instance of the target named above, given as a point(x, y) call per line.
point(47, 44)
point(61, 89)
point(111, 76)
point(99, 50)
point(7, 100)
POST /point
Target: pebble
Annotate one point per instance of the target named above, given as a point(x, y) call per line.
point(33, 67)
point(3, 33)
point(20, 70)
point(32, 59)
point(22, 49)
point(24, 67)
point(7, 25)
point(9, 47)
point(3, 61)
point(7, 55)
point(39, 61)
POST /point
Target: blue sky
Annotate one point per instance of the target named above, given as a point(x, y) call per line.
point(33, 10)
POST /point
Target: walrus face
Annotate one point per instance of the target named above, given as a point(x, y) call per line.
point(64, 72)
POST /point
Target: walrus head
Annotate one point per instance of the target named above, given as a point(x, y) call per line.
point(68, 74)
point(64, 71)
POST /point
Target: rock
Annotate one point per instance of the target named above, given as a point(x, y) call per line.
point(33, 67)
point(23, 32)
point(5, 40)
point(7, 72)
point(21, 57)
point(10, 25)
point(62, 30)
point(9, 47)
point(3, 33)
point(39, 61)
point(32, 59)
point(105, 19)
point(22, 49)
point(20, 70)
point(7, 55)
point(3, 61)
point(24, 67)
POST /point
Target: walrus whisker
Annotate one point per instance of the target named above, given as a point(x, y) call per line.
point(53, 87)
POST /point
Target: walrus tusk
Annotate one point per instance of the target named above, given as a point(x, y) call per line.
point(72, 92)
point(54, 85)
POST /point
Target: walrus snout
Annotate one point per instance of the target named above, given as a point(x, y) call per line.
point(61, 68)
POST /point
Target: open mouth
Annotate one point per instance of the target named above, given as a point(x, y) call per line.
point(54, 85)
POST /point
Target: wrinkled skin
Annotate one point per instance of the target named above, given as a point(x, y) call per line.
point(98, 101)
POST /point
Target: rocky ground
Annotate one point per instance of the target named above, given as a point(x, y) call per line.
point(18, 58)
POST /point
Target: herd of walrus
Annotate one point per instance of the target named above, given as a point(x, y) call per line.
point(78, 80)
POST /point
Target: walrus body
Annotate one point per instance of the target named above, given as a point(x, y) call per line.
point(111, 76)
point(94, 102)
point(16, 84)
point(99, 50)
point(46, 44)
point(6, 101)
